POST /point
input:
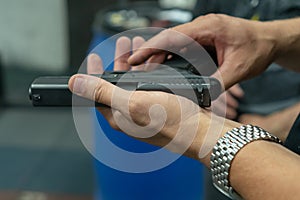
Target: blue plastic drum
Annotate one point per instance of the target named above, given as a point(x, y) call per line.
point(180, 180)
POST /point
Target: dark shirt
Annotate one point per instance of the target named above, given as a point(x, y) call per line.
point(267, 9)
point(293, 140)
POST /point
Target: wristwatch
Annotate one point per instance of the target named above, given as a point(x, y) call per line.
point(226, 149)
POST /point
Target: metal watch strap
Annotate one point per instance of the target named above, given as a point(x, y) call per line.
point(226, 149)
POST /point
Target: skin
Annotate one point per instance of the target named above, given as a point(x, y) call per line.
point(244, 48)
point(284, 121)
point(284, 118)
point(229, 99)
point(261, 170)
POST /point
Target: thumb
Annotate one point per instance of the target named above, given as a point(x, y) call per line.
point(227, 75)
point(97, 89)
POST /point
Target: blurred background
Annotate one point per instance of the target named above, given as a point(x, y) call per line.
point(41, 156)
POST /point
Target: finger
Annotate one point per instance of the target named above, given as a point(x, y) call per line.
point(226, 79)
point(229, 75)
point(201, 30)
point(184, 50)
point(155, 61)
point(219, 108)
point(224, 107)
point(94, 64)
point(169, 57)
point(231, 101)
point(98, 90)
point(237, 91)
point(122, 53)
point(137, 42)
point(231, 113)
point(170, 39)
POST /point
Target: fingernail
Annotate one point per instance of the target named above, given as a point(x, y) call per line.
point(79, 86)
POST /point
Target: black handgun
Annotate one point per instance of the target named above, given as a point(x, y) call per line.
point(175, 76)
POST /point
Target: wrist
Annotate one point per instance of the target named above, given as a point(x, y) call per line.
point(279, 34)
point(226, 151)
point(270, 36)
point(209, 137)
point(285, 36)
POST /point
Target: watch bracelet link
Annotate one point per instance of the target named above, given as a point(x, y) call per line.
point(226, 149)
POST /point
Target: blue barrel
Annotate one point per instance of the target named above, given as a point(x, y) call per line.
point(183, 179)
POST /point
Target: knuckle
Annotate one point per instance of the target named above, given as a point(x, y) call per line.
point(98, 92)
point(211, 17)
point(165, 35)
point(166, 32)
point(137, 105)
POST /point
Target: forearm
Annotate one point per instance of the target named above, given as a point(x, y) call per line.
point(262, 170)
point(287, 35)
point(266, 170)
point(280, 123)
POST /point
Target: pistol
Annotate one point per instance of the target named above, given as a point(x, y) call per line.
point(175, 76)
